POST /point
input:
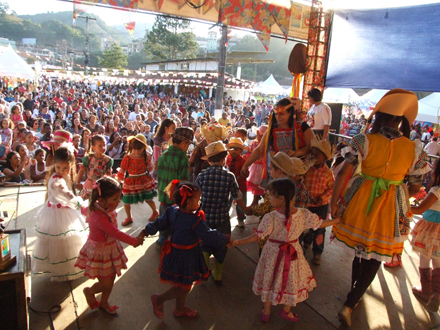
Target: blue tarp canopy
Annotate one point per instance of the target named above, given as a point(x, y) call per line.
point(386, 48)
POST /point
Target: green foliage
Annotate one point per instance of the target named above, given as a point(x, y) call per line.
point(136, 60)
point(168, 40)
point(113, 58)
point(279, 51)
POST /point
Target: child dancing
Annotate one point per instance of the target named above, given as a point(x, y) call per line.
point(426, 235)
point(182, 263)
point(283, 275)
point(61, 229)
point(102, 256)
point(139, 185)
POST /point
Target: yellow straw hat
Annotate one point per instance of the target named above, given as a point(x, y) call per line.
point(142, 139)
point(398, 102)
point(213, 149)
point(324, 146)
point(214, 132)
point(235, 143)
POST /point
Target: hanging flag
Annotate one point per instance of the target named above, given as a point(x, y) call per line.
point(130, 27)
point(77, 9)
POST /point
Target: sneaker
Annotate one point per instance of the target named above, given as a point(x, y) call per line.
point(240, 224)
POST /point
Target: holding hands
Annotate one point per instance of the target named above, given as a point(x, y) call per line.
point(140, 240)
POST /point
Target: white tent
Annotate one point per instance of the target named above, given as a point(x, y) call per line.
point(12, 65)
point(429, 109)
point(269, 86)
point(374, 95)
point(340, 95)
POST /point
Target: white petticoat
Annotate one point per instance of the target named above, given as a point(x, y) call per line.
point(61, 232)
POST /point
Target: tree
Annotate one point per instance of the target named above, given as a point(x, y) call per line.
point(136, 60)
point(113, 58)
point(168, 40)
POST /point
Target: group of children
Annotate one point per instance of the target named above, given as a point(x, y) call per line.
point(194, 222)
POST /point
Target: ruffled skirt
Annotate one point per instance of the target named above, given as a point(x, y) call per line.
point(426, 238)
point(61, 232)
point(102, 259)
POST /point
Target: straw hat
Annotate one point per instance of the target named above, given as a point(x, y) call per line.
point(398, 102)
point(288, 165)
point(184, 133)
point(142, 139)
point(235, 143)
point(214, 132)
point(58, 138)
point(324, 146)
point(213, 149)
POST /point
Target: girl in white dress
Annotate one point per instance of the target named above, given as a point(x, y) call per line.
point(283, 275)
point(60, 226)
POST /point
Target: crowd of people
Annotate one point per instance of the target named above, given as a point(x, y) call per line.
point(93, 147)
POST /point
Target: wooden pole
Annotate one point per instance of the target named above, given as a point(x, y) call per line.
point(221, 70)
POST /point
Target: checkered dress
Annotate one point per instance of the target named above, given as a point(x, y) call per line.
point(218, 185)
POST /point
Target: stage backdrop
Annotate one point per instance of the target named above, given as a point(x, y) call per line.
point(386, 48)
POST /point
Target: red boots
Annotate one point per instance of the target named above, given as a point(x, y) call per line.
point(434, 300)
point(424, 292)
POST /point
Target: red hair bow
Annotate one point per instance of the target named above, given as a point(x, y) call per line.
point(173, 185)
point(185, 192)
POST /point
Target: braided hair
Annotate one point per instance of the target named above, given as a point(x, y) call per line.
point(283, 187)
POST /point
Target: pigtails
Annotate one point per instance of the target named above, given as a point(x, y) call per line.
point(287, 201)
point(130, 147)
point(89, 146)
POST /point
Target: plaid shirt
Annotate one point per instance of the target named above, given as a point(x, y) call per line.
point(235, 166)
point(218, 185)
point(319, 183)
point(173, 164)
point(301, 195)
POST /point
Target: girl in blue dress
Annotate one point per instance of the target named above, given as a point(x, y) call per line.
point(182, 263)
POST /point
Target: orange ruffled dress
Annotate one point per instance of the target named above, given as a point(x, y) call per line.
point(381, 231)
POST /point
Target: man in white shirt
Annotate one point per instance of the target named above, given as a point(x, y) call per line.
point(433, 148)
point(132, 116)
point(320, 113)
point(426, 135)
point(16, 100)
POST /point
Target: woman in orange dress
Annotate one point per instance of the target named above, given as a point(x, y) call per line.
point(375, 206)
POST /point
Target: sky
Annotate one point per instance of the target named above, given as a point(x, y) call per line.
point(112, 17)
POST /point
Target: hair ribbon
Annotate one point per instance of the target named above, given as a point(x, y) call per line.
point(97, 186)
point(173, 185)
point(185, 192)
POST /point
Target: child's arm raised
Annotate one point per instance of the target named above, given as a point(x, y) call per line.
point(425, 204)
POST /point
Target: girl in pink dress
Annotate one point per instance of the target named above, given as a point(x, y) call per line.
point(102, 256)
point(283, 275)
point(16, 115)
point(256, 169)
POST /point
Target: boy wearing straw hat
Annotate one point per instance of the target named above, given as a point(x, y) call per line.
point(235, 162)
point(210, 133)
point(319, 183)
point(219, 187)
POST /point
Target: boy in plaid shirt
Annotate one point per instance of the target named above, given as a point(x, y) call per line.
point(172, 164)
point(218, 185)
point(319, 183)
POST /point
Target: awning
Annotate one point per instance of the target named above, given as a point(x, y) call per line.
point(282, 17)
